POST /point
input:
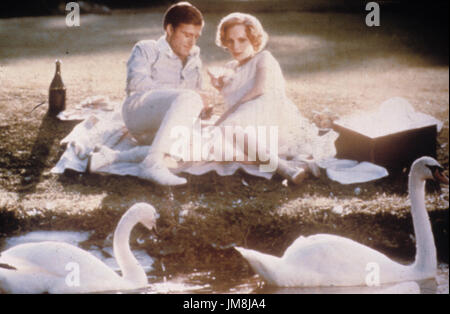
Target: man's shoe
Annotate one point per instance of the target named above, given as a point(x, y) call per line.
point(154, 169)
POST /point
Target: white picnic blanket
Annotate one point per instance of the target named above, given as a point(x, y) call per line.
point(102, 126)
point(102, 132)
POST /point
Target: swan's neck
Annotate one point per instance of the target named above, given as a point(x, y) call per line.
point(425, 247)
point(132, 271)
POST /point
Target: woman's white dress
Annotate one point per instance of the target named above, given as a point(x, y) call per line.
point(297, 137)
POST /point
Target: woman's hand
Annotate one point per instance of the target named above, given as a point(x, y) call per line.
point(216, 81)
point(220, 76)
point(207, 97)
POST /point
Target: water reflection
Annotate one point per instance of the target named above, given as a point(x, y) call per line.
point(410, 287)
point(210, 282)
point(199, 282)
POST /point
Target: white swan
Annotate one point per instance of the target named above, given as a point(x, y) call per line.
point(330, 260)
point(58, 267)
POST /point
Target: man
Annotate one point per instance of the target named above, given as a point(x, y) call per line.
point(162, 79)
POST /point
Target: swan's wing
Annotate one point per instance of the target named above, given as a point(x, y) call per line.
point(328, 246)
point(317, 241)
point(25, 277)
point(52, 256)
point(54, 264)
point(301, 242)
point(334, 259)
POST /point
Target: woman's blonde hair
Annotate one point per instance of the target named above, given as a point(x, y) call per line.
point(255, 32)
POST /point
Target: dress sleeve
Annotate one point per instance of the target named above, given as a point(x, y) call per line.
point(139, 68)
point(269, 68)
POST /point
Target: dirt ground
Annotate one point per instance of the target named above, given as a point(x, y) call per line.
point(330, 60)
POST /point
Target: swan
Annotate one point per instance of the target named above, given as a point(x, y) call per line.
point(57, 267)
point(330, 260)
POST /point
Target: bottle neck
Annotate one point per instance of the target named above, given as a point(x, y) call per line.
point(57, 82)
point(58, 67)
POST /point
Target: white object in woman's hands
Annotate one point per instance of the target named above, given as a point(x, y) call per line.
point(220, 76)
point(217, 71)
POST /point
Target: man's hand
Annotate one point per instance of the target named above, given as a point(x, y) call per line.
point(208, 99)
point(206, 112)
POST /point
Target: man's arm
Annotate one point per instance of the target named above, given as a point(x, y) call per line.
point(139, 65)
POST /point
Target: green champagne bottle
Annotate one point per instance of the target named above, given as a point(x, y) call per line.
point(57, 93)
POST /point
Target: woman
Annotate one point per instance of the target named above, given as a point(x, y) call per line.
point(253, 87)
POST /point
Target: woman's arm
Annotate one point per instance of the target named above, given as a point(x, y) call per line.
point(257, 90)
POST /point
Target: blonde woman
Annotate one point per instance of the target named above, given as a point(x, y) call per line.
point(253, 87)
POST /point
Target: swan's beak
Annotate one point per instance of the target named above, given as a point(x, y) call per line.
point(150, 224)
point(440, 176)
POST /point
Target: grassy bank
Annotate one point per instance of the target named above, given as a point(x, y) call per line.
point(330, 60)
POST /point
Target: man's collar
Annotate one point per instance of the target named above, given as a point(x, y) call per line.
point(165, 47)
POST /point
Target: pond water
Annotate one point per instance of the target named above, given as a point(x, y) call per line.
point(208, 282)
point(205, 282)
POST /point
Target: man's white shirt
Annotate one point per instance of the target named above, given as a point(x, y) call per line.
point(153, 65)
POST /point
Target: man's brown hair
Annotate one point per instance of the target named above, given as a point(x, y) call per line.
point(182, 13)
